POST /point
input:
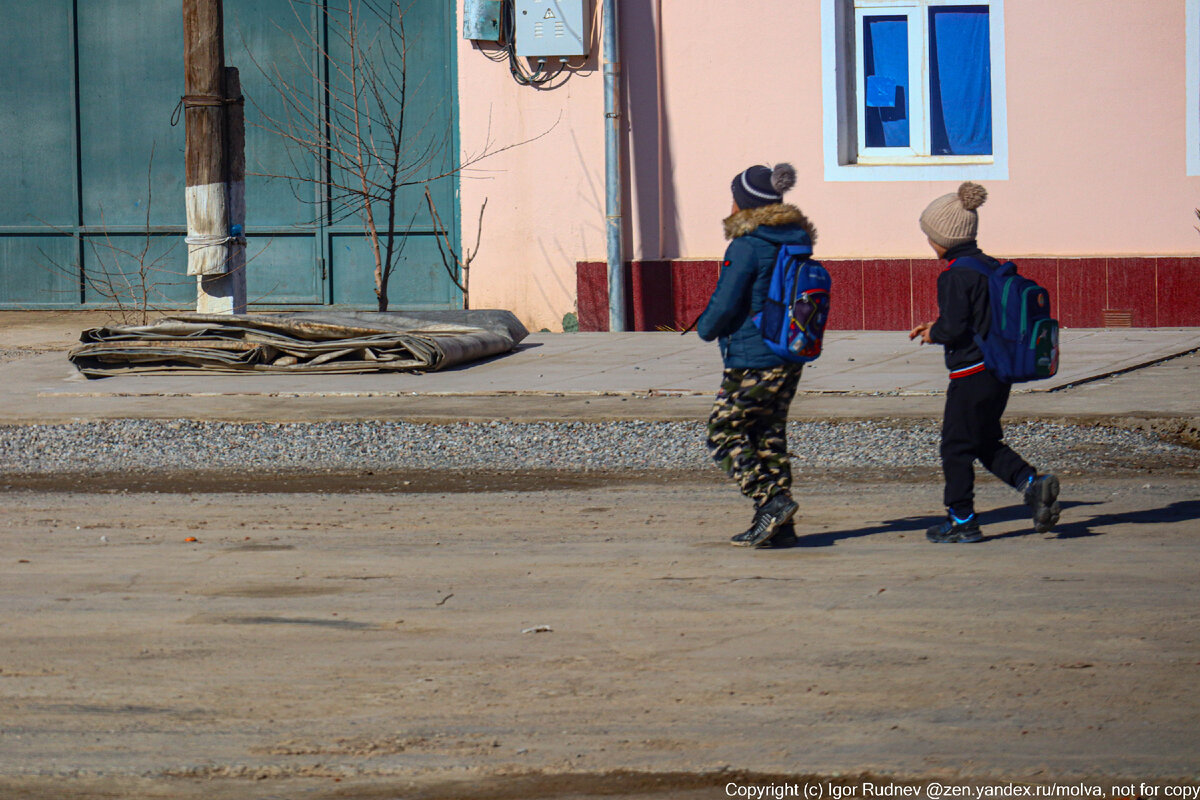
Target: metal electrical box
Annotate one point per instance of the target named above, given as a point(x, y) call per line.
point(481, 20)
point(551, 28)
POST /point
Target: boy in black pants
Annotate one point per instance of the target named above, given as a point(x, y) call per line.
point(975, 400)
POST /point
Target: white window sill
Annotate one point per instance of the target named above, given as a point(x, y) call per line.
point(920, 161)
point(943, 168)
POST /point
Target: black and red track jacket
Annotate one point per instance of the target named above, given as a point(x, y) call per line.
point(963, 310)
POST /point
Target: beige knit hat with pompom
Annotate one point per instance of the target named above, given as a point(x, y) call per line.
point(952, 219)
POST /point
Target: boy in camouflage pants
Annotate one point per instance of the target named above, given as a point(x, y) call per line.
point(747, 432)
point(747, 428)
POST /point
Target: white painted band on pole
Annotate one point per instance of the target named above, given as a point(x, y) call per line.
point(207, 221)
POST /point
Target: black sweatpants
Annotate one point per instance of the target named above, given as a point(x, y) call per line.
point(971, 430)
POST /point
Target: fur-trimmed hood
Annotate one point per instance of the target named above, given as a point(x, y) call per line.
point(778, 214)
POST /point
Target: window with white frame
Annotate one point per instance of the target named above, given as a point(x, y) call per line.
point(916, 84)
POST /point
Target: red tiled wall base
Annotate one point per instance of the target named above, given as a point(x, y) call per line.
point(896, 294)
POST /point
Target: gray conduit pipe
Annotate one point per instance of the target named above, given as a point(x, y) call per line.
point(612, 169)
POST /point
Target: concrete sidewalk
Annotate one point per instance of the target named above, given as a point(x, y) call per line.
point(596, 375)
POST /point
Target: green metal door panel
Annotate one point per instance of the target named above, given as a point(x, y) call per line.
point(36, 118)
point(88, 93)
point(431, 102)
point(419, 280)
point(122, 270)
point(411, 62)
point(352, 271)
point(130, 79)
point(261, 38)
point(38, 272)
point(282, 270)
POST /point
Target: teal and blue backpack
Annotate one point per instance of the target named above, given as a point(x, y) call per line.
point(792, 320)
point(1022, 342)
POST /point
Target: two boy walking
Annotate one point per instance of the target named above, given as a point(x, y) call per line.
point(747, 428)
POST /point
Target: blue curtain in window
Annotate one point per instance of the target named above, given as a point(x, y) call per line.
point(960, 78)
point(885, 67)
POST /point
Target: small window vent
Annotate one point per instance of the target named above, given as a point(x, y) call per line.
point(1114, 318)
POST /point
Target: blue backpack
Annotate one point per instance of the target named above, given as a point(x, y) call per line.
point(792, 320)
point(1022, 342)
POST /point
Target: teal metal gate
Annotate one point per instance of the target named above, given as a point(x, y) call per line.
point(92, 173)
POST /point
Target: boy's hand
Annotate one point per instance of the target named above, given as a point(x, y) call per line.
point(922, 332)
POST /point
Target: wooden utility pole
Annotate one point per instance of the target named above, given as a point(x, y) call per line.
point(235, 172)
point(220, 279)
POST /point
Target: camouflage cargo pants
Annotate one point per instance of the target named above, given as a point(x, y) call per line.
point(747, 430)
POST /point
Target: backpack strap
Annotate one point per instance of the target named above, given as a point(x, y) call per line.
point(976, 264)
point(986, 266)
point(989, 269)
point(800, 252)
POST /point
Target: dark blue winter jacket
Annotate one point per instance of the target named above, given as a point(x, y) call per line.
point(755, 234)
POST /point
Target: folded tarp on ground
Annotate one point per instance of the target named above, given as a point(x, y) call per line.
point(320, 342)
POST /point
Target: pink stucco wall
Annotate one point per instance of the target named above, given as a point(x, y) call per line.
point(1096, 122)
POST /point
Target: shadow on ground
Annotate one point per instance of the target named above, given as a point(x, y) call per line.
point(1068, 527)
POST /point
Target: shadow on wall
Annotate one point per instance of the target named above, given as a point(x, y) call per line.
point(651, 217)
point(659, 295)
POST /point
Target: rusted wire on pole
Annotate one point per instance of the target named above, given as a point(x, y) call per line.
point(201, 101)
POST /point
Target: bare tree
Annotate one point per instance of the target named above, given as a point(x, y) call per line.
point(133, 280)
point(458, 266)
point(349, 117)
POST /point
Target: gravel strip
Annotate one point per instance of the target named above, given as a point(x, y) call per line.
point(143, 445)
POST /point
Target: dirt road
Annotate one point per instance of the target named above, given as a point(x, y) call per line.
point(537, 643)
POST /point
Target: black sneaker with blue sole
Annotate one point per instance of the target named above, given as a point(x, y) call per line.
point(954, 531)
point(1041, 495)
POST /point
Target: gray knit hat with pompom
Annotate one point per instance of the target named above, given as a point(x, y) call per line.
point(762, 186)
point(952, 219)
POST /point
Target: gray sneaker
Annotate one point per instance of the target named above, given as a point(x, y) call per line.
point(1041, 495)
point(768, 521)
point(784, 537)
